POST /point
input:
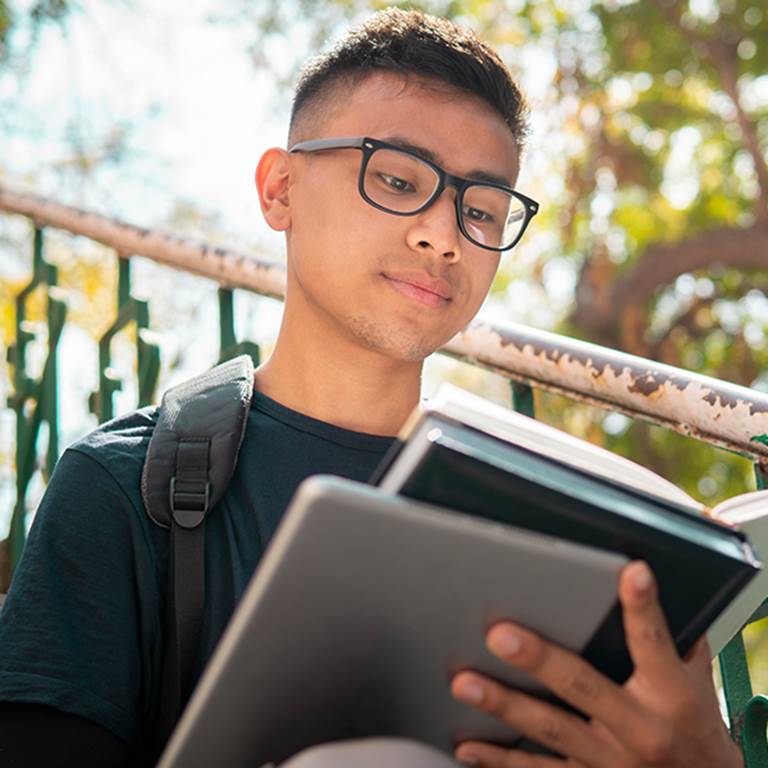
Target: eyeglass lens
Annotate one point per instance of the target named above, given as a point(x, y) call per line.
point(402, 183)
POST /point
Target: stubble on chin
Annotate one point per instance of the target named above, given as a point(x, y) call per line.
point(401, 343)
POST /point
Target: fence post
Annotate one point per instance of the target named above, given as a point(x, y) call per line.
point(522, 399)
point(129, 310)
point(34, 401)
point(229, 346)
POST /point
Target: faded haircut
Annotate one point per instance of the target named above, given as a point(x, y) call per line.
point(409, 43)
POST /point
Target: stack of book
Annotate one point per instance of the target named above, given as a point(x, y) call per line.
point(462, 452)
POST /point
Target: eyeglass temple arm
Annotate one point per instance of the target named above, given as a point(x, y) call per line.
point(315, 145)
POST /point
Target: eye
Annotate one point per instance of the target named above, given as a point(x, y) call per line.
point(397, 184)
point(478, 216)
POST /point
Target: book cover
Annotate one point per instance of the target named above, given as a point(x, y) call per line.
point(463, 453)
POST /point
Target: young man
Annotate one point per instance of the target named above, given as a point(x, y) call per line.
point(388, 129)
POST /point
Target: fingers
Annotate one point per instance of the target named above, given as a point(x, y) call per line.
point(700, 656)
point(539, 721)
point(645, 627)
point(698, 663)
point(564, 673)
point(487, 756)
point(666, 709)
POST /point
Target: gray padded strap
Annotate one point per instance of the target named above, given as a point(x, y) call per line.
point(212, 407)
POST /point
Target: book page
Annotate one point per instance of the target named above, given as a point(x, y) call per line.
point(743, 508)
point(748, 511)
point(513, 427)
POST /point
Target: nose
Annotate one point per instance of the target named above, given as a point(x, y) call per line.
point(436, 229)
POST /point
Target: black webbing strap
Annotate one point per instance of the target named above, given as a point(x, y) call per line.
point(189, 500)
point(190, 460)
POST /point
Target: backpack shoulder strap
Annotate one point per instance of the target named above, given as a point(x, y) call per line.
point(211, 408)
point(191, 458)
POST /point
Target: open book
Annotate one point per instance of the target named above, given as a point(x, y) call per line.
point(749, 513)
point(463, 452)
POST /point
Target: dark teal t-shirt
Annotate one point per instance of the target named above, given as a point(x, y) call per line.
point(81, 628)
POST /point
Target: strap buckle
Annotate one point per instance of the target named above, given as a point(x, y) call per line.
point(189, 502)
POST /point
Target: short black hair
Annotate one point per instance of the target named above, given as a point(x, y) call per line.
point(414, 43)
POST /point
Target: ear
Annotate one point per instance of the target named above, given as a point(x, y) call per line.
point(273, 181)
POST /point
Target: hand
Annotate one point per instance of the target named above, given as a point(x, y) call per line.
point(665, 715)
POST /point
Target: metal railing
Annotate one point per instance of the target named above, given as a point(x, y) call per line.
point(716, 412)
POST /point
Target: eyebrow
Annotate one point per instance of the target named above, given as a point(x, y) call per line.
point(428, 154)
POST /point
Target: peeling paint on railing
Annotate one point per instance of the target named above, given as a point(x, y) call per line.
point(227, 267)
point(715, 411)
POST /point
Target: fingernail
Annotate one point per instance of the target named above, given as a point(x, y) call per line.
point(642, 578)
point(471, 692)
point(469, 759)
point(508, 642)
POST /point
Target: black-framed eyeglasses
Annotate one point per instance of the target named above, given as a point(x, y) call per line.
point(402, 182)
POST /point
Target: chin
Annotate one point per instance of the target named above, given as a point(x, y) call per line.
point(406, 345)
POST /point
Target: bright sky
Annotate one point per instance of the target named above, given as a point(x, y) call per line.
point(199, 112)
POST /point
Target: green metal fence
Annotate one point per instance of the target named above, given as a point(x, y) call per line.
point(719, 413)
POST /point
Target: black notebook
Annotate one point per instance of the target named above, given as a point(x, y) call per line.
point(462, 452)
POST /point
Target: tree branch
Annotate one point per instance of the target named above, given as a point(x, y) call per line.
point(724, 54)
point(617, 313)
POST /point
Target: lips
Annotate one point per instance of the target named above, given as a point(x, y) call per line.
point(420, 286)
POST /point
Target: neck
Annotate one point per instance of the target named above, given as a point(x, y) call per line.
point(338, 380)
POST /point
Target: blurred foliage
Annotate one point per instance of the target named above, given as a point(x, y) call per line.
point(9, 289)
point(88, 282)
point(81, 150)
point(665, 147)
point(37, 13)
point(756, 642)
point(5, 26)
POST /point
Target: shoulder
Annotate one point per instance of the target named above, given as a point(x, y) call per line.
point(124, 436)
point(118, 448)
point(105, 465)
point(91, 517)
point(90, 582)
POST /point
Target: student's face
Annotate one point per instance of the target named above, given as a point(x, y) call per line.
point(361, 271)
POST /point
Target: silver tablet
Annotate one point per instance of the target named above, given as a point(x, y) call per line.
point(361, 611)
